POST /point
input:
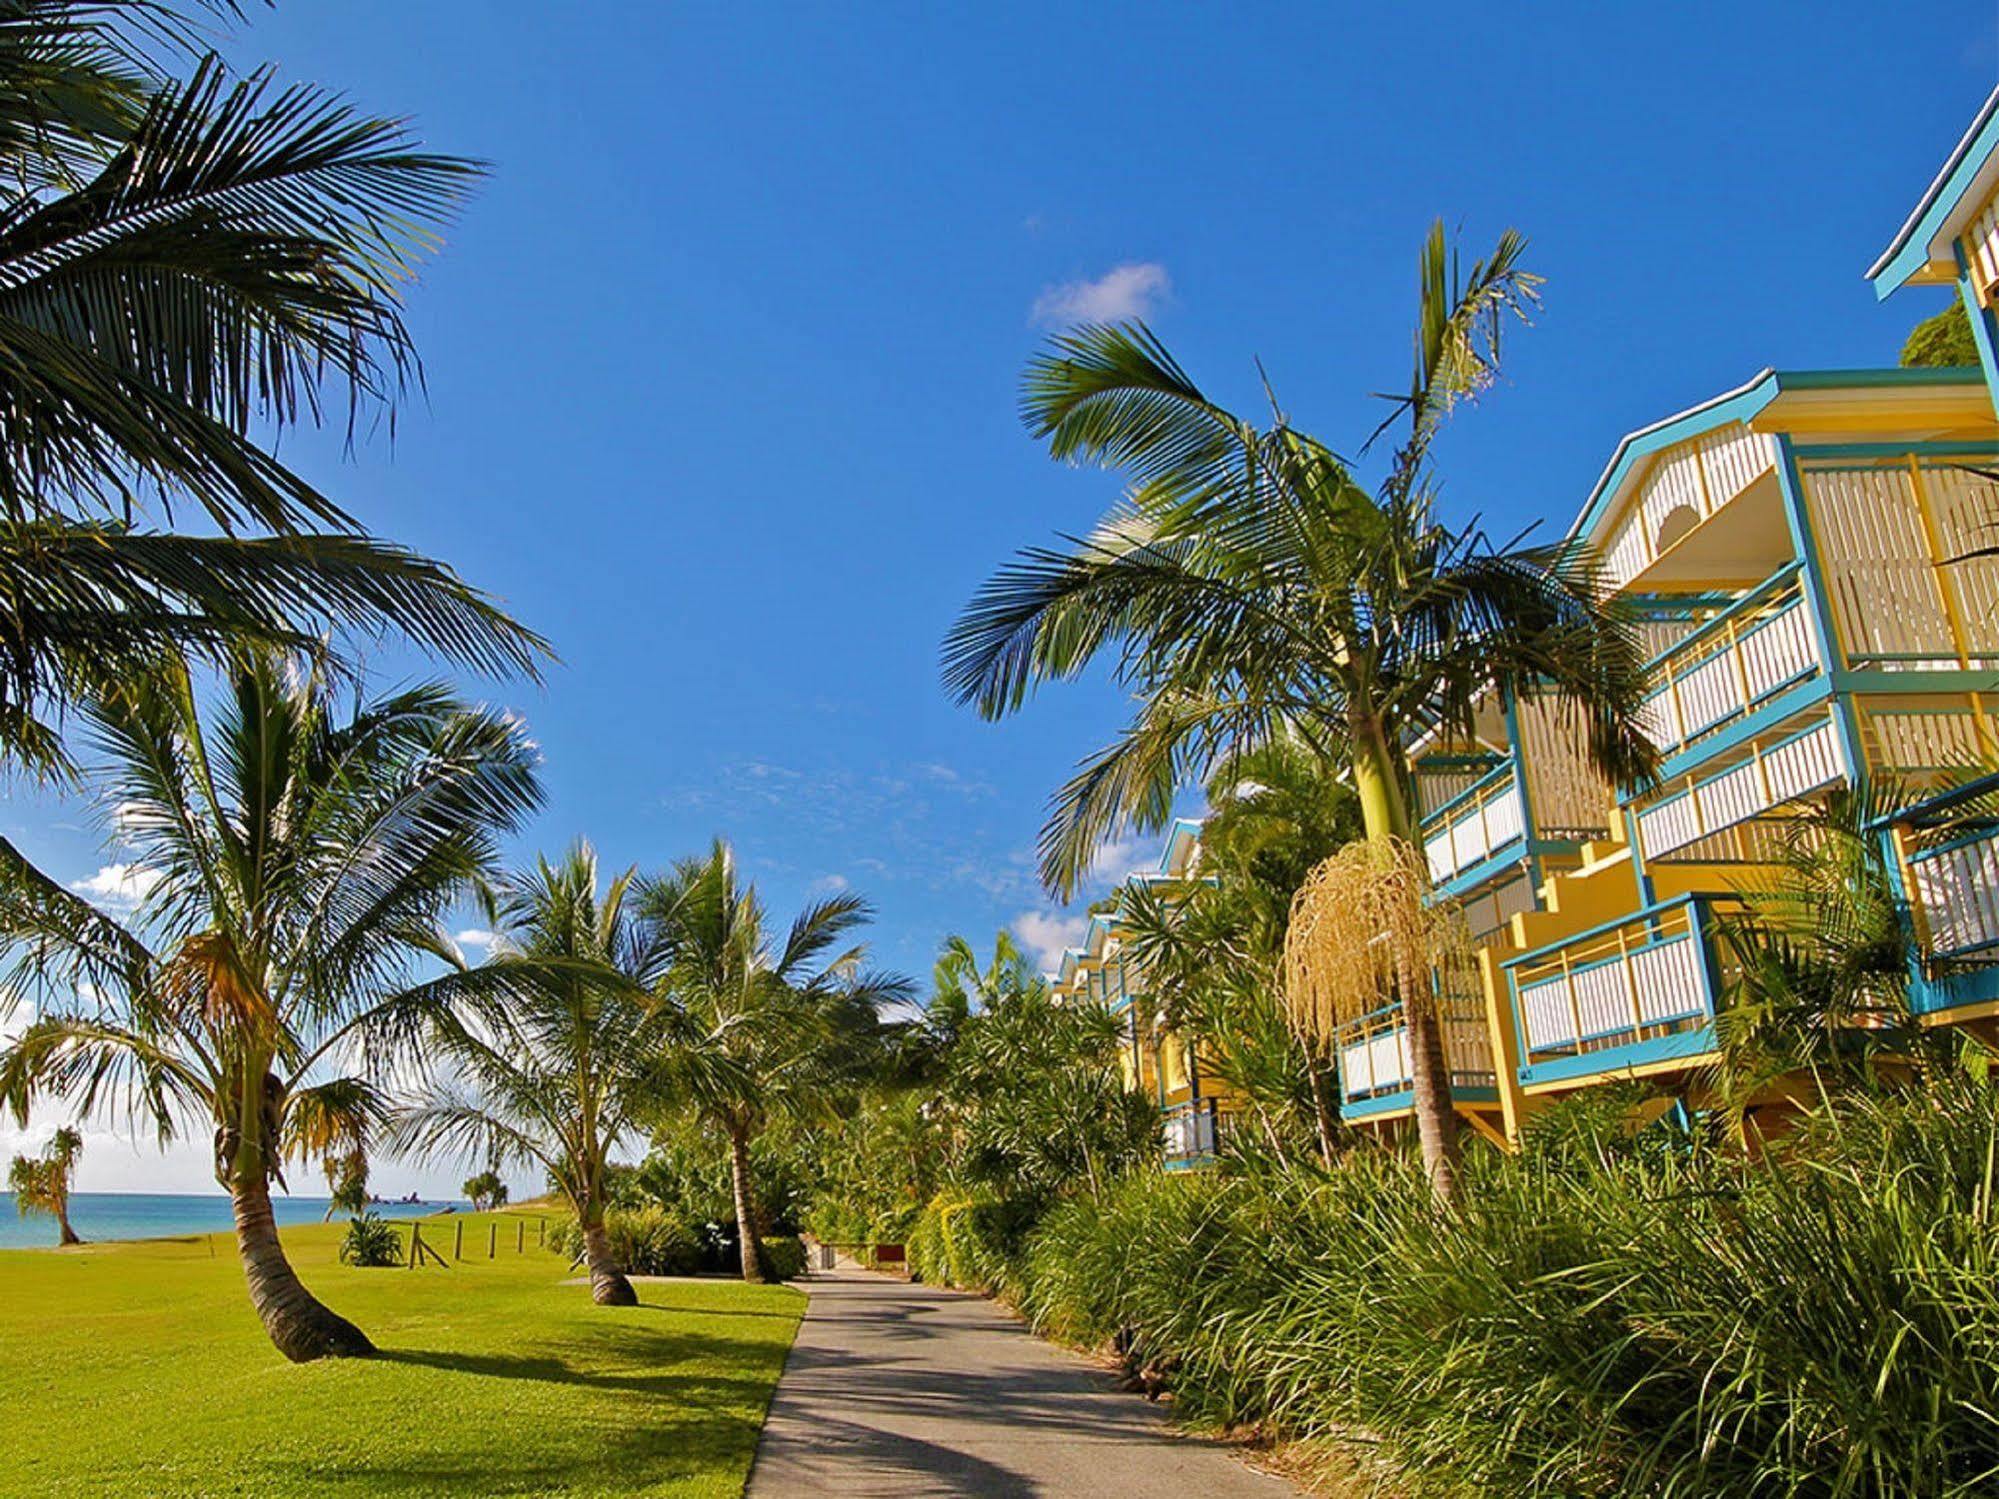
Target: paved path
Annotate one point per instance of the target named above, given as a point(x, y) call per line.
point(894, 1389)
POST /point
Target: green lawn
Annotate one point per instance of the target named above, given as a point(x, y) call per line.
point(141, 1369)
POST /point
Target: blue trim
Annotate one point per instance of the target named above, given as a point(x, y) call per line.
point(1361, 1110)
point(1447, 813)
point(1826, 454)
point(1602, 928)
point(1735, 405)
point(1681, 1045)
point(1909, 251)
point(1737, 604)
point(1808, 694)
point(1983, 331)
point(1937, 993)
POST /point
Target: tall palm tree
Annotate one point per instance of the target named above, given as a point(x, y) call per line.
point(563, 1067)
point(40, 1184)
point(772, 1028)
point(303, 859)
point(190, 264)
point(1248, 587)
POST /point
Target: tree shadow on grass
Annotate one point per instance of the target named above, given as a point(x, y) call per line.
point(656, 1408)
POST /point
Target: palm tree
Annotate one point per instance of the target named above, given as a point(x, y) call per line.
point(563, 1066)
point(772, 1029)
point(1250, 589)
point(303, 860)
point(333, 1123)
point(190, 264)
point(40, 1184)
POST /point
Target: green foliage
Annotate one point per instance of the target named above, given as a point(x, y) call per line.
point(371, 1244)
point(1943, 340)
point(644, 1241)
point(1614, 1312)
point(484, 1191)
point(349, 1186)
point(195, 262)
point(784, 1255)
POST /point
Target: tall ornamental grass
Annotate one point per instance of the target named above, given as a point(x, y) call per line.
point(1602, 1316)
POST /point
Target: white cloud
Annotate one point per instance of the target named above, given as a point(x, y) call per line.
point(1124, 292)
point(119, 885)
point(829, 884)
point(1045, 934)
point(1113, 861)
point(476, 937)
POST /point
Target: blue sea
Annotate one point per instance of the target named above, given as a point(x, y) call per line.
point(150, 1215)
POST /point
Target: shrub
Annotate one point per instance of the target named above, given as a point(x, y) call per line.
point(784, 1256)
point(644, 1241)
point(371, 1243)
point(1605, 1315)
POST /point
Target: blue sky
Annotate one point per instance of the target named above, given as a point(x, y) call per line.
point(722, 362)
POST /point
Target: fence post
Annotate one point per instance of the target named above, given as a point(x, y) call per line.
point(540, 1233)
point(520, 1236)
point(416, 1243)
point(493, 1239)
point(458, 1242)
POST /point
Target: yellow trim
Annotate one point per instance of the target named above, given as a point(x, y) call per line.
point(1986, 1010)
point(1946, 584)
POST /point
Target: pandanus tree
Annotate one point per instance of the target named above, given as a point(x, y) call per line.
point(190, 264)
point(303, 856)
point(566, 1063)
point(1249, 587)
point(773, 1027)
point(41, 1183)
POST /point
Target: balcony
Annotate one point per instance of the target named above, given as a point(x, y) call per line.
point(1376, 1076)
point(1730, 663)
point(1787, 763)
point(1635, 993)
point(1193, 1132)
point(1474, 825)
point(1954, 888)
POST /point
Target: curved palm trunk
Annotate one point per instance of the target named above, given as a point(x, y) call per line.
point(608, 1285)
point(747, 1236)
point(1385, 814)
point(65, 1234)
point(298, 1323)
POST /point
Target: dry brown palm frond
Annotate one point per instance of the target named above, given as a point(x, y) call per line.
point(1359, 931)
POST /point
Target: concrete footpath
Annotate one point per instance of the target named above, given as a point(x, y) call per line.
point(894, 1389)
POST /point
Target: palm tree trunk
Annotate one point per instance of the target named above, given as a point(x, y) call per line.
point(65, 1234)
point(747, 1238)
point(1385, 814)
point(608, 1285)
point(302, 1328)
point(1436, 1119)
point(1322, 1116)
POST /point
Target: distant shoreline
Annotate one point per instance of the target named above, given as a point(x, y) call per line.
point(123, 1217)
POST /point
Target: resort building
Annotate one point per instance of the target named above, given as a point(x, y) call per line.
point(1194, 1109)
point(1804, 554)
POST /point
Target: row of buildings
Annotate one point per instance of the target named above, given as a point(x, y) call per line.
point(1802, 551)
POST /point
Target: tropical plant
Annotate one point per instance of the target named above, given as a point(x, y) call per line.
point(371, 1244)
point(1942, 340)
point(191, 264)
point(484, 1191)
point(1821, 956)
point(563, 1066)
point(302, 860)
point(773, 1028)
point(332, 1123)
point(40, 1184)
point(1251, 589)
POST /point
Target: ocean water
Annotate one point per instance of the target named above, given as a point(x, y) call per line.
point(151, 1215)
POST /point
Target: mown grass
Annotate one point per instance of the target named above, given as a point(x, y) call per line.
point(141, 1369)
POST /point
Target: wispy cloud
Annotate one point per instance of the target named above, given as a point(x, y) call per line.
point(117, 886)
point(1118, 858)
point(1045, 934)
point(1131, 290)
point(829, 884)
point(477, 938)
